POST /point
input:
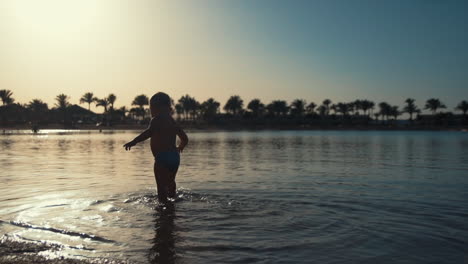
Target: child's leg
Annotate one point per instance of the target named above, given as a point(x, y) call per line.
point(172, 185)
point(162, 176)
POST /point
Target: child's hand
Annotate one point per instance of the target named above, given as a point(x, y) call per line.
point(180, 148)
point(129, 145)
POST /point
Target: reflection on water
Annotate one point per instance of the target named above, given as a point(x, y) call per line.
point(163, 250)
point(244, 197)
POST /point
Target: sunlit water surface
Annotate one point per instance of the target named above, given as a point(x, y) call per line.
point(243, 197)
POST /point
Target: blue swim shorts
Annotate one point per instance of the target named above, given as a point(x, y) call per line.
point(168, 159)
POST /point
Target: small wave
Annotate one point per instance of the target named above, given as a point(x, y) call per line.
point(96, 202)
point(110, 208)
point(17, 238)
point(220, 248)
point(59, 231)
point(54, 205)
point(152, 198)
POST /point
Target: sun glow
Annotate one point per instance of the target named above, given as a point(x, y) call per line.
point(52, 17)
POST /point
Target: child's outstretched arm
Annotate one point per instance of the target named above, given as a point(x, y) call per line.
point(142, 137)
point(183, 139)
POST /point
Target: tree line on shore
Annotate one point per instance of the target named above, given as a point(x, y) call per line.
point(187, 108)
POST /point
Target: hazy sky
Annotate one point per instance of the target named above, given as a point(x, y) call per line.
point(312, 49)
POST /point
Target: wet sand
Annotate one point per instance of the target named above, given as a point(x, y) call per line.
point(28, 252)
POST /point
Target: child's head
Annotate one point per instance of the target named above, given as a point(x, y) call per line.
point(160, 103)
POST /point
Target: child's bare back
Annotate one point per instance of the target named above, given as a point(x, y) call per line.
point(163, 131)
point(163, 134)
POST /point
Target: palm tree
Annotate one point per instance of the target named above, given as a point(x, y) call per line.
point(184, 103)
point(463, 107)
point(141, 101)
point(410, 108)
point(334, 107)
point(189, 106)
point(434, 104)
point(62, 101)
point(111, 99)
point(367, 106)
point(136, 112)
point(209, 108)
point(103, 102)
point(234, 105)
point(179, 110)
point(327, 103)
point(38, 109)
point(256, 107)
point(394, 112)
point(37, 105)
point(311, 108)
point(356, 106)
point(385, 110)
point(343, 108)
point(278, 108)
point(322, 110)
point(89, 99)
point(6, 96)
point(376, 115)
point(62, 104)
point(122, 112)
point(194, 108)
point(298, 107)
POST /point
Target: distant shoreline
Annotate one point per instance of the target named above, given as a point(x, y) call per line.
point(210, 128)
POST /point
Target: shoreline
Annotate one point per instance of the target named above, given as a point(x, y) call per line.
point(204, 128)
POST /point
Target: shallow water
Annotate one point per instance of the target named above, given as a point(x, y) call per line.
point(243, 197)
